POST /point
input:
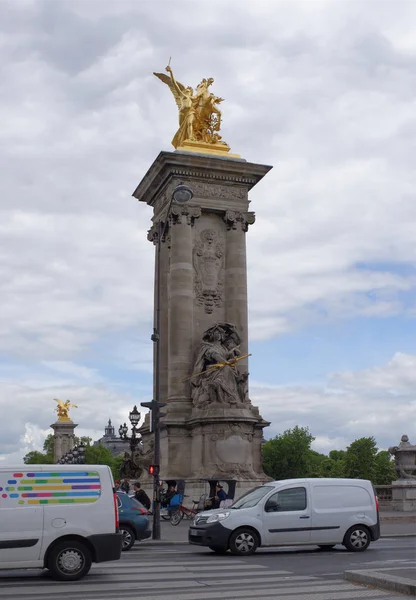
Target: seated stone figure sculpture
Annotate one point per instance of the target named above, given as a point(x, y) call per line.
point(215, 380)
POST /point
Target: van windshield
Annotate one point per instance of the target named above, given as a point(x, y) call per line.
point(252, 497)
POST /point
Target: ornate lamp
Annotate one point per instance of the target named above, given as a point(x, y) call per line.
point(182, 194)
point(134, 416)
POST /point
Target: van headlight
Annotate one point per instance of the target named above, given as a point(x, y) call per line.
point(218, 517)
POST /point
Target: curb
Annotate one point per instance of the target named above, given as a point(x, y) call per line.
point(385, 582)
point(398, 520)
point(185, 542)
point(398, 535)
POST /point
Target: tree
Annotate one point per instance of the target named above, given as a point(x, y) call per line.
point(98, 455)
point(385, 472)
point(337, 455)
point(116, 466)
point(360, 459)
point(288, 454)
point(37, 458)
point(48, 444)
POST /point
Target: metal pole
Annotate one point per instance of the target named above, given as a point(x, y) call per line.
point(155, 412)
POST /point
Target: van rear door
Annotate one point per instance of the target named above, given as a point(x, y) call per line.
point(21, 523)
point(336, 507)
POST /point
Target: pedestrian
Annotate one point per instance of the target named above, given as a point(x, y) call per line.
point(117, 485)
point(141, 495)
point(220, 495)
point(125, 485)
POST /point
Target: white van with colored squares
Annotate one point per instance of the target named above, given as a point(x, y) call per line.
point(58, 517)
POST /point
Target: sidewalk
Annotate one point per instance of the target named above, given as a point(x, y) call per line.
point(399, 579)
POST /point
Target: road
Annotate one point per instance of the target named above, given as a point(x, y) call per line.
point(182, 572)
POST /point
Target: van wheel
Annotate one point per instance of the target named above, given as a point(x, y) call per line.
point(244, 541)
point(128, 537)
point(357, 538)
point(69, 561)
point(326, 546)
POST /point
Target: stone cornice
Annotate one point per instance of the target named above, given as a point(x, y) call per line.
point(189, 166)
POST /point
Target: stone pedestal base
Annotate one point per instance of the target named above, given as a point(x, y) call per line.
point(404, 495)
point(63, 438)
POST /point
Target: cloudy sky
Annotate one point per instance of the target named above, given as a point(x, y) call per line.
point(322, 90)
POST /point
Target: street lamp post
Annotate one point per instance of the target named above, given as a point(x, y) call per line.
point(180, 195)
point(134, 439)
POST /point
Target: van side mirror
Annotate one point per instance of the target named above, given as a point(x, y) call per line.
point(272, 506)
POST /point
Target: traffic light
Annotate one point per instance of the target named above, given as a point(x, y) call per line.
point(153, 470)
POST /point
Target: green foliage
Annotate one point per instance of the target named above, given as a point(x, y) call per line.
point(98, 455)
point(385, 472)
point(37, 458)
point(337, 455)
point(360, 459)
point(116, 466)
point(288, 454)
point(48, 444)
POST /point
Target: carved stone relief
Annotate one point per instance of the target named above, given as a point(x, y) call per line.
point(208, 259)
point(216, 190)
point(234, 219)
point(179, 212)
point(217, 379)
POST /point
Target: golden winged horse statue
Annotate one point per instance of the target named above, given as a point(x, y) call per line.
point(63, 409)
point(199, 116)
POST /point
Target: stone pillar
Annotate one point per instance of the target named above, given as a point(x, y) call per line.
point(180, 306)
point(236, 275)
point(203, 282)
point(63, 438)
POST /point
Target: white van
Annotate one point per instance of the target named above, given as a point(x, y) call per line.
point(290, 512)
point(58, 517)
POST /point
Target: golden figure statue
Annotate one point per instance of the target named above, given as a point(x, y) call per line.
point(63, 410)
point(199, 116)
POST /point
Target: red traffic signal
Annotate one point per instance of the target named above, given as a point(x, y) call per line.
point(153, 469)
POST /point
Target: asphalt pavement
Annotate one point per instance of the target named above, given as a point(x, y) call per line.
point(184, 572)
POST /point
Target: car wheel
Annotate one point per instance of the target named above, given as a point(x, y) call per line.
point(176, 517)
point(326, 546)
point(69, 561)
point(128, 537)
point(218, 549)
point(244, 541)
point(357, 538)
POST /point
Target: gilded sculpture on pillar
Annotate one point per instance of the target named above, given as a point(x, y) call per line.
point(199, 116)
point(63, 410)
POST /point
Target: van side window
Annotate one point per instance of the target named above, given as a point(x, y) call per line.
point(287, 500)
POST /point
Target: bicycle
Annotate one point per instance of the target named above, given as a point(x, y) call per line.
point(184, 512)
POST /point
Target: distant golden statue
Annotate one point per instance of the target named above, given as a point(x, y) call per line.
point(199, 116)
point(63, 409)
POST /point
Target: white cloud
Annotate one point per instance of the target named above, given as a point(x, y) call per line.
point(375, 402)
point(323, 91)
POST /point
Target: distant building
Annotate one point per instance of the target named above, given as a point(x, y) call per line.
point(112, 442)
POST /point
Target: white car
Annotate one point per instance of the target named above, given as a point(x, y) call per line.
point(322, 512)
point(58, 517)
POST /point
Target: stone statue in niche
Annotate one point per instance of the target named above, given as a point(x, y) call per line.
point(208, 261)
point(216, 378)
